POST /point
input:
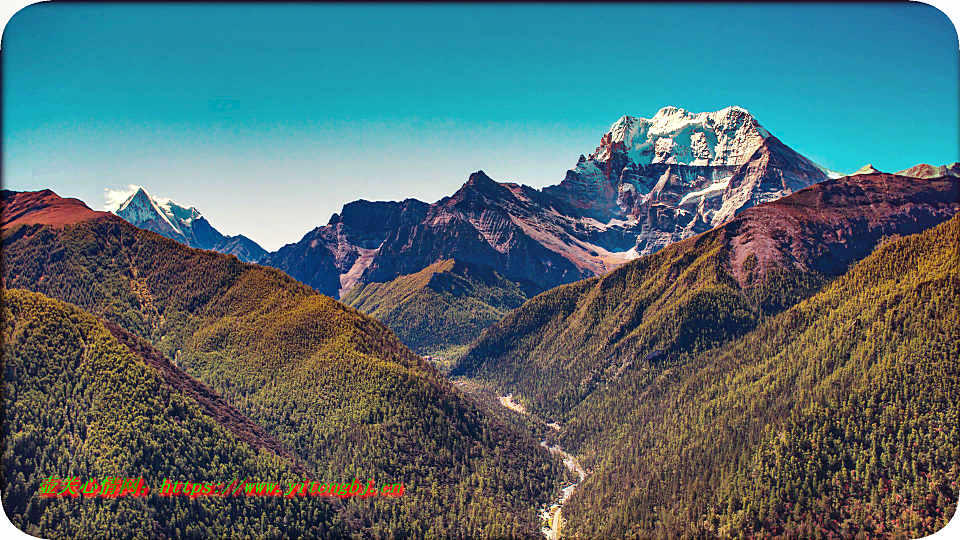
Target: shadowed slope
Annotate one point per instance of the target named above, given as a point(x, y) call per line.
point(335, 387)
point(78, 403)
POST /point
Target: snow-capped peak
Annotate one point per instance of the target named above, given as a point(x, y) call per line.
point(725, 137)
point(139, 207)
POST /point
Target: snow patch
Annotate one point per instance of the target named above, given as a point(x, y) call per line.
point(713, 190)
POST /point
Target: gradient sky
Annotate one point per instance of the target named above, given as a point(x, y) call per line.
point(268, 118)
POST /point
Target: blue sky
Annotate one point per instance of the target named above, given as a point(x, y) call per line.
point(268, 118)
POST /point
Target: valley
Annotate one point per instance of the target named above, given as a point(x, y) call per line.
point(480, 271)
point(583, 377)
point(551, 512)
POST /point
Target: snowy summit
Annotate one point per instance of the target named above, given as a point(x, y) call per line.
point(725, 137)
point(184, 224)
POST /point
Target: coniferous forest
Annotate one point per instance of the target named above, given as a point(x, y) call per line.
point(715, 389)
point(340, 393)
point(480, 271)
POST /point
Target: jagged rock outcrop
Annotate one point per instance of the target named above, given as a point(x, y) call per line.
point(649, 183)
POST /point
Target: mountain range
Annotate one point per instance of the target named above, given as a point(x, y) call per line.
point(760, 379)
point(649, 183)
point(334, 395)
point(700, 292)
point(697, 333)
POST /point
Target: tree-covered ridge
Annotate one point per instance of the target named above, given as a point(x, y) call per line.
point(441, 309)
point(837, 418)
point(77, 403)
point(696, 294)
point(211, 403)
point(334, 386)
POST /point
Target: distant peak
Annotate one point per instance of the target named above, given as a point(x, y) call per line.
point(679, 112)
point(925, 170)
point(866, 169)
point(669, 110)
point(479, 176)
point(734, 109)
point(674, 135)
point(479, 185)
point(625, 121)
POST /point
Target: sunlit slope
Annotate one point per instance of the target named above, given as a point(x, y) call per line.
point(441, 309)
point(835, 418)
point(78, 403)
point(335, 387)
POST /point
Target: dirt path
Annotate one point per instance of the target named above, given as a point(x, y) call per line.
point(508, 402)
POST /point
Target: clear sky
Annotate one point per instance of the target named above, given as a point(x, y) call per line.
point(268, 118)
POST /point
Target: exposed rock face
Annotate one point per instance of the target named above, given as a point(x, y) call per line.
point(649, 183)
point(679, 174)
point(331, 258)
point(832, 224)
point(924, 170)
point(504, 226)
point(244, 248)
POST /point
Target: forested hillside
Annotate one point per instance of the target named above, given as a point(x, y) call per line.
point(78, 403)
point(698, 293)
point(748, 381)
point(835, 419)
point(334, 386)
point(441, 309)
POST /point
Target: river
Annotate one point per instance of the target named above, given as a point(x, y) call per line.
point(552, 513)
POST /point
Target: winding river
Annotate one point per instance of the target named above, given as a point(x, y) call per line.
point(551, 513)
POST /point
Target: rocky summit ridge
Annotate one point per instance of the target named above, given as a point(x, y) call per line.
point(649, 183)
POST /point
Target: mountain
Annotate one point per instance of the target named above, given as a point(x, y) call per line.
point(439, 310)
point(332, 258)
point(834, 419)
point(43, 207)
point(648, 184)
point(929, 171)
point(757, 378)
point(183, 224)
point(84, 399)
point(696, 294)
point(341, 394)
point(679, 174)
point(866, 169)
